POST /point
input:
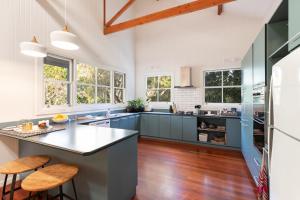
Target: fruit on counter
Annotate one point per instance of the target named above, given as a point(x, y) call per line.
point(43, 124)
point(60, 118)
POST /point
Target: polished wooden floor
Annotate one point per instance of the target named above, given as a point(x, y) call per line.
point(172, 171)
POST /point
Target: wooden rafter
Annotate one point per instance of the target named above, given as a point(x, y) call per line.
point(120, 12)
point(171, 12)
point(220, 9)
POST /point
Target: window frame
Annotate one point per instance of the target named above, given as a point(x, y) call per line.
point(158, 88)
point(40, 108)
point(113, 87)
point(222, 85)
point(70, 82)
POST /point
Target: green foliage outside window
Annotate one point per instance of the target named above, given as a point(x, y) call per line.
point(159, 88)
point(223, 86)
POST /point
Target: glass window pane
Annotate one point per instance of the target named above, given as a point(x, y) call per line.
point(213, 78)
point(152, 95)
point(213, 95)
point(232, 77)
point(85, 94)
point(118, 80)
point(152, 82)
point(103, 95)
point(232, 95)
point(56, 93)
point(165, 95)
point(103, 77)
point(165, 82)
point(118, 95)
point(86, 74)
point(56, 72)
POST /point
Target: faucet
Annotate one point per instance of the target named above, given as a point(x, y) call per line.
point(107, 114)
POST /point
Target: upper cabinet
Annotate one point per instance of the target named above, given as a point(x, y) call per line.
point(294, 24)
point(247, 69)
point(259, 58)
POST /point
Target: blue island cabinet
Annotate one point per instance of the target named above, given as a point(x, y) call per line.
point(233, 130)
point(165, 126)
point(189, 129)
point(176, 127)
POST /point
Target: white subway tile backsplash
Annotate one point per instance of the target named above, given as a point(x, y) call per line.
point(186, 99)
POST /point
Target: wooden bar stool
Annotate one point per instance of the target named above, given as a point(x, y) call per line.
point(17, 167)
point(49, 178)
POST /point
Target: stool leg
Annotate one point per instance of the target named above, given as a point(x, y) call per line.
point(61, 194)
point(12, 188)
point(4, 187)
point(74, 188)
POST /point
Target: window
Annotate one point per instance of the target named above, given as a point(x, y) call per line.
point(86, 84)
point(119, 87)
point(93, 85)
point(57, 81)
point(103, 83)
point(159, 88)
point(222, 86)
point(65, 86)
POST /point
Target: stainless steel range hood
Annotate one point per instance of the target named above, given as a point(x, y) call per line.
point(185, 78)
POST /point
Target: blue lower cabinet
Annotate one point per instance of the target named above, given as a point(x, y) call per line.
point(131, 123)
point(153, 125)
point(165, 126)
point(137, 122)
point(233, 131)
point(189, 127)
point(144, 124)
point(176, 127)
point(124, 123)
point(115, 123)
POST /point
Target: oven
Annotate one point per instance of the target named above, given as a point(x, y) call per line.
point(259, 116)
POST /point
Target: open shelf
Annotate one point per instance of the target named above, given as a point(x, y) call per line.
point(212, 130)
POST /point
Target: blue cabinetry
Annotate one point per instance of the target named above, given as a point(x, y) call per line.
point(164, 126)
point(294, 23)
point(189, 129)
point(115, 123)
point(233, 131)
point(251, 154)
point(176, 127)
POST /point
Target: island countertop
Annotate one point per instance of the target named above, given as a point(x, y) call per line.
point(80, 139)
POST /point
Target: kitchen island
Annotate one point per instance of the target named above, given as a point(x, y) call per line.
point(106, 157)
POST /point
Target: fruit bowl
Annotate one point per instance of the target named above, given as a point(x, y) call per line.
point(60, 119)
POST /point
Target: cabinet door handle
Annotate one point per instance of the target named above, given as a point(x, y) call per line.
point(256, 162)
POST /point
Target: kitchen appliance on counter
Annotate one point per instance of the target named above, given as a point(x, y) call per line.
point(102, 123)
point(283, 131)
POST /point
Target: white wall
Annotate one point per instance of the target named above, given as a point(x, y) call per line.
point(17, 72)
point(202, 40)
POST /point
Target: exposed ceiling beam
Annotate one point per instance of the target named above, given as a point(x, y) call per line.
point(120, 12)
point(220, 9)
point(171, 12)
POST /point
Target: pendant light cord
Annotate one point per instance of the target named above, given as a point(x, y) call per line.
point(65, 12)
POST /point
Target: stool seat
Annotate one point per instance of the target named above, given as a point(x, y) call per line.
point(49, 177)
point(24, 164)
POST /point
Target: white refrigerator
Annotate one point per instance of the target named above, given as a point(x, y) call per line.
point(284, 129)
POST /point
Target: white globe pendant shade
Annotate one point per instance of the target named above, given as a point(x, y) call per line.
point(64, 39)
point(33, 49)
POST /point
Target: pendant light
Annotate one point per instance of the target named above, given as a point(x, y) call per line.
point(33, 48)
point(64, 39)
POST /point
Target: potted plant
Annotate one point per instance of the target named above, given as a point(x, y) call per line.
point(135, 105)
